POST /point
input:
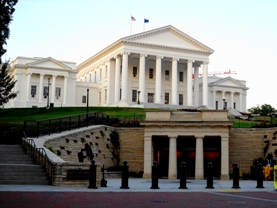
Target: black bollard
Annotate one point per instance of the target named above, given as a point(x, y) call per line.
point(235, 175)
point(260, 176)
point(92, 175)
point(103, 181)
point(210, 176)
point(155, 176)
point(125, 175)
point(183, 176)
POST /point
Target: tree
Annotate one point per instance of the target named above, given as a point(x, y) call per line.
point(6, 80)
point(264, 110)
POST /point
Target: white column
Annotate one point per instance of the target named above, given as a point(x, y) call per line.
point(142, 77)
point(28, 87)
point(232, 100)
point(172, 167)
point(147, 157)
point(117, 79)
point(196, 85)
point(205, 84)
point(17, 87)
point(174, 82)
point(40, 89)
point(158, 92)
point(73, 91)
point(53, 87)
point(189, 83)
point(224, 158)
point(199, 161)
point(223, 98)
point(241, 102)
point(125, 77)
point(93, 76)
point(214, 99)
point(65, 90)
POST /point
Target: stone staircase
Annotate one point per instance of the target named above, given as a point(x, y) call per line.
point(16, 167)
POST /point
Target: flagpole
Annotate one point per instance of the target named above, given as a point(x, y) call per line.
point(143, 24)
point(131, 25)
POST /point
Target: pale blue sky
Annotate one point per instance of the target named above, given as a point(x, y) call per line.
point(243, 33)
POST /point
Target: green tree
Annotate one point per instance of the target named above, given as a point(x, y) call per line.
point(263, 110)
point(6, 80)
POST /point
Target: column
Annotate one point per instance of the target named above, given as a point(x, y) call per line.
point(224, 158)
point(189, 83)
point(232, 100)
point(142, 77)
point(196, 85)
point(240, 102)
point(28, 87)
point(17, 87)
point(214, 99)
point(158, 93)
point(65, 90)
point(117, 79)
point(223, 99)
point(147, 157)
point(174, 82)
point(172, 167)
point(205, 84)
point(40, 90)
point(124, 77)
point(53, 87)
point(199, 161)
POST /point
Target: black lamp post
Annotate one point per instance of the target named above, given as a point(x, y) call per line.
point(138, 97)
point(48, 93)
point(224, 103)
point(87, 101)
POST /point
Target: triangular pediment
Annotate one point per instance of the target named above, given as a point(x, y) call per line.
point(170, 37)
point(229, 82)
point(48, 63)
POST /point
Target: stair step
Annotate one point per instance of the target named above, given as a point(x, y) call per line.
point(24, 182)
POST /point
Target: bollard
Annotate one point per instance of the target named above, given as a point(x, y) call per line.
point(235, 175)
point(210, 176)
point(183, 176)
point(155, 176)
point(103, 181)
point(125, 175)
point(92, 175)
point(259, 171)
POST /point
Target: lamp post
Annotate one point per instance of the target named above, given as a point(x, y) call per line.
point(224, 103)
point(138, 97)
point(87, 102)
point(48, 93)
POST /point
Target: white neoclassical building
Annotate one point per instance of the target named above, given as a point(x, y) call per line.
point(159, 68)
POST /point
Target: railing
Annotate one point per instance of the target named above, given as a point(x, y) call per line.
point(39, 155)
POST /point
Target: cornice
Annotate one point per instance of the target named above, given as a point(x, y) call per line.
point(49, 59)
point(47, 68)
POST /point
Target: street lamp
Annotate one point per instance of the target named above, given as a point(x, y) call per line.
point(138, 97)
point(224, 103)
point(48, 93)
point(87, 102)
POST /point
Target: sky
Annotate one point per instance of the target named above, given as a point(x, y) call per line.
point(243, 33)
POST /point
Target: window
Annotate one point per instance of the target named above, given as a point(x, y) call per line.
point(216, 105)
point(225, 105)
point(105, 95)
point(181, 99)
point(84, 99)
point(33, 90)
point(234, 105)
point(120, 92)
point(150, 97)
point(134, 95)
point(135, 71)
point(99, 97)
point(58, 92)
point(151, 73)
point(45, 92)
point(120, 69)
point(166, 74)
point(106, 72)
point(166, 98)
point(181, 76)
point(100, 74)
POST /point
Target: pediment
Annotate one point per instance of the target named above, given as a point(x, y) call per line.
point(170, 37)
point(48, 63)
point(229, 82)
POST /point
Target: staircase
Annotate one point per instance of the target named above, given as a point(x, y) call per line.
point(16, 167)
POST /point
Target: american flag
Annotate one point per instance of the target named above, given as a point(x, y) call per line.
point(132, 18)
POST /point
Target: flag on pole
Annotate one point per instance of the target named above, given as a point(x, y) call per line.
point(146, 20)
point(132, 18)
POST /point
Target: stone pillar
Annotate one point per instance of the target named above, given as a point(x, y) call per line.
point(117, 79)
point(158, 92)
point(125, 77)
point(199, 161)
point(174, 82)
point(189, 83)
point(65, 90)
point(241, 102)
point(147, 157)
point(205, 84)
point(172, 167)
point(53, 87)
point(142, 77)
point(40, 89)
point(232, 100)
point(28, 86)
point(224, 158)
point(17, 87)
point(196, 85)
point(214, 99)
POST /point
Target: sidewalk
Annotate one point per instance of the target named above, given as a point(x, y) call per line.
point(143, 185)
